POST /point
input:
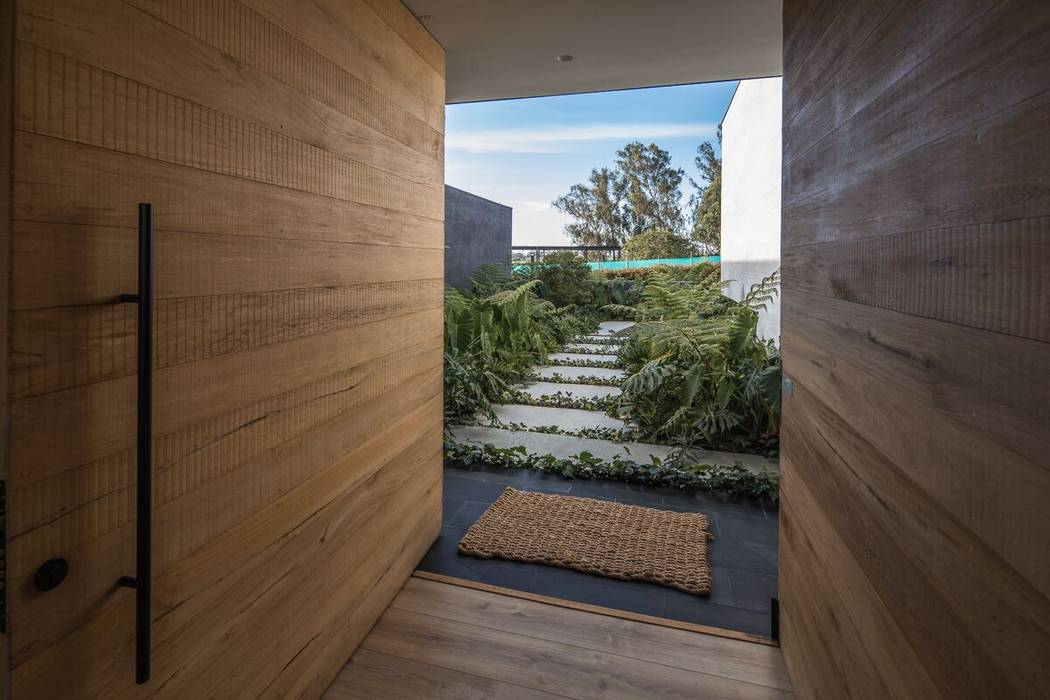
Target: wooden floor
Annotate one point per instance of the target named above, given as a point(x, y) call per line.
point(448, 641)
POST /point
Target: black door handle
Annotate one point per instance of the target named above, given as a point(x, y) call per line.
point(144, 449)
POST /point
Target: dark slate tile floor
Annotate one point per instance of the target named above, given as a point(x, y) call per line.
point(743, 554)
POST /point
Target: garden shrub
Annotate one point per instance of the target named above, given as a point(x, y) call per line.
point(699, 374)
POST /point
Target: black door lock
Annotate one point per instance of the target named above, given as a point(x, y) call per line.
point(51, 573)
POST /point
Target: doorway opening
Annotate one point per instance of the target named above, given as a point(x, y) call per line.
point(611, 335)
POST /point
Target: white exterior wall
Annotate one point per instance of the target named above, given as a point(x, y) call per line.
point(751, 159)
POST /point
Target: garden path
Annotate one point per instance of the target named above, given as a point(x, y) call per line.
point(587, 369)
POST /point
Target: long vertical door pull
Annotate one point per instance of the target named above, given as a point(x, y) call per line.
point(144, 448)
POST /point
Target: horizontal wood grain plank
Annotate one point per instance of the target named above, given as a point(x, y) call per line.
point(898, 53)
point(136, 119)
point(813, 57)
point(848, 188)
point(61, 348)
point(187, 459)
point(354, 500)
point(204, 513)
point(873, 367)
point(238, 87)
point(957, 274)
point(397, 16)
point(597, 609)
point(192, 264)
point(66, 182)
point(951, 594)
point(374, 52)
point(569, 670)
point(370, 675)
point(882, 661)
point(736, 659)
point(805, 23)
point(98, 420)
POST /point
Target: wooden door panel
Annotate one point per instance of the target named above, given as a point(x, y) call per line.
point(295, 166)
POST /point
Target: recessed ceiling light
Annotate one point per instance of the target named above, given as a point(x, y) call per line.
point(564, 58)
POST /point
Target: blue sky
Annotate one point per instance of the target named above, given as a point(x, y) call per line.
point(526, 153)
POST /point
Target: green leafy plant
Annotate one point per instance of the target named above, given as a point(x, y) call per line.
point(556, 378)
point(604, 364)
point(558, 400)
point(494, 336)
point(657, 243)
point(699, 375)
point(677, 471)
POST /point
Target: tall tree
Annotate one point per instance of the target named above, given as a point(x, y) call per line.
point(706, 203)
point(652, 188)
point(640, 194)
point(597, 208)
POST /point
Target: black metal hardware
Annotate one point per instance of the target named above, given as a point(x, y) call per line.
point(3, 557)
point(144, 448)
point(51, 573)
point(774, 619)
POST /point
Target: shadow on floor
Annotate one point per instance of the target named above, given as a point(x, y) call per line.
point(743, 554)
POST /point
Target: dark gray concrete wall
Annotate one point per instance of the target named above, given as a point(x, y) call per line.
point(477, 232)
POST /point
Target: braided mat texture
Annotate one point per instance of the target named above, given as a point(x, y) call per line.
point(598, 537)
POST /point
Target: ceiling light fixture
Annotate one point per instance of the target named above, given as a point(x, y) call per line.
point(564, 58)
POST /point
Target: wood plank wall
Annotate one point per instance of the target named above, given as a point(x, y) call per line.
point(293, 152)
point(916, 334)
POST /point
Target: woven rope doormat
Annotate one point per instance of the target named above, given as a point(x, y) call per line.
point(599, 537)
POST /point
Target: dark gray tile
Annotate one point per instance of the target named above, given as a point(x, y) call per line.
point(748, 555)
point(509, 574)
point(468, 513)
point(635, 596)
point(743, 554)
point(468, 490)
point(744, 527)
point(753, 591)
point(722, 616)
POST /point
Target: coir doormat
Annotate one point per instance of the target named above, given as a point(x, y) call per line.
point(599, 537)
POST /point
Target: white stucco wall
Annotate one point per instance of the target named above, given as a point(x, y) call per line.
point(751, 148)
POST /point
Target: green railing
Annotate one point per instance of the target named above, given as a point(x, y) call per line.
point(635, 264)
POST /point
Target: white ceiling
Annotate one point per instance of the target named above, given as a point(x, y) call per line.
point(497, 49)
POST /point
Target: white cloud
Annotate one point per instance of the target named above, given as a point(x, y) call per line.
point(531, 206)
point(555, 139)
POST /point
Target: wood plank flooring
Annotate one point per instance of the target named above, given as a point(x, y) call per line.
point(439, 640)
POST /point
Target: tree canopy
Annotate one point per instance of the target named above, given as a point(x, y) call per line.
point(642, 194)
point(658, 243)
point(706, 203)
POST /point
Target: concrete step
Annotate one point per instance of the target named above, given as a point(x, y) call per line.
point(585, 358)
point(607, 328)
point(620, 340)
point(611, 350)
point(564, 446)
point(579, 391)
point(565, 418)
point(548, 371)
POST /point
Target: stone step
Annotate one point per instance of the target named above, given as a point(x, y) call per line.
point(585, 358)
point(565, 418)
point(618, 340)
point(548, 371)
point(610, 350)
point(579, 391)
point(607, 328)
point(565, 446)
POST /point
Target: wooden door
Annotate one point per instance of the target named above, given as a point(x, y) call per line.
point(293, 154)
point(916, 338)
